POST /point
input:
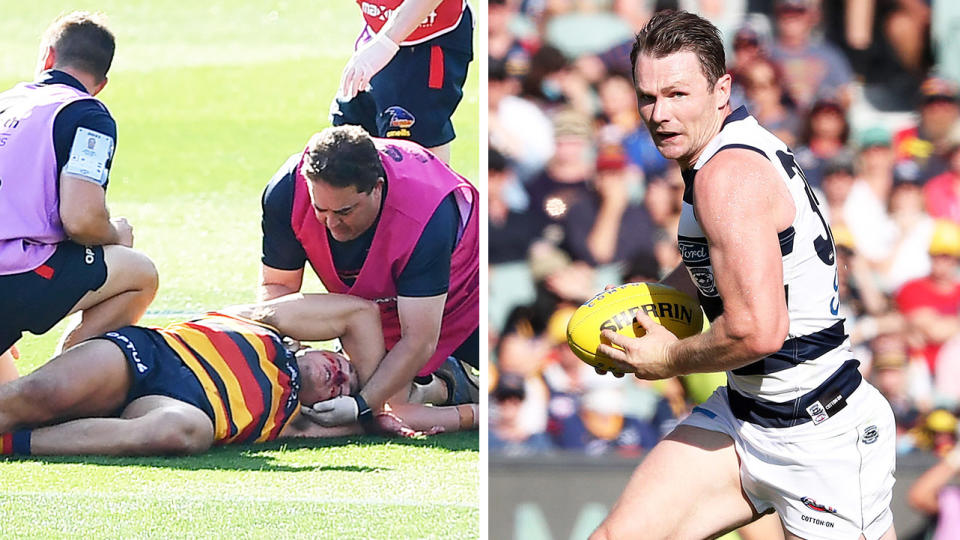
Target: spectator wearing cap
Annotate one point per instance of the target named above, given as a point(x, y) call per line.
point(502, 46)
point(812, 68)
point(925, 145)
point(517, 127)
point(865, 210)
point(891, 373)
point(598, 425)
point(608, 226)
point(931, 304)
point(507, 434)
point(566, 178)
point(824, 136)
point(942, 192)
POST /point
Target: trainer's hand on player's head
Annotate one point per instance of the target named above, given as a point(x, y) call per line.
point(333, 412)
point(645, 356)
point(124, 231)
point(366, 62)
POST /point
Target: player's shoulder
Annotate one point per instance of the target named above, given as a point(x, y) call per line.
point(89, 113)
point(279, 190)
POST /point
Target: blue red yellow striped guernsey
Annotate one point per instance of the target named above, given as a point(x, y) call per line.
point(249, 378)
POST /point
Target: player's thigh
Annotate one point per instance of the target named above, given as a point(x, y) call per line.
point(38, 299)
point(688, 486)
point(91, 379)
point(164, 425)
point(127, 270)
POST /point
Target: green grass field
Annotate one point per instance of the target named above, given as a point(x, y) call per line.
point(210, 98)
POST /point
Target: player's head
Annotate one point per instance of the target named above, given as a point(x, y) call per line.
point(325, 375)
point(346, 180)
point(79, 41)
point(683, 91)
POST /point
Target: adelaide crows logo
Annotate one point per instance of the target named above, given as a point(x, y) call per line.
point(400, 121)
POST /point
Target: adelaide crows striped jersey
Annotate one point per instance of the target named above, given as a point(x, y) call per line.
point(249, 378)
point(816, 346)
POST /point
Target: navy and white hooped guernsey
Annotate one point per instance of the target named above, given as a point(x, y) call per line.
point(813, 373)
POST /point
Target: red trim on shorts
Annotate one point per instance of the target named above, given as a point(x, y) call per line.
point(44, 271)
point(436, 67)
point(6, 444)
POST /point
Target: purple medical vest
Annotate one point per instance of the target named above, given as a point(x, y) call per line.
point(30, 226)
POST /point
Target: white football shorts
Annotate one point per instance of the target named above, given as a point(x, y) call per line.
point(832, 480)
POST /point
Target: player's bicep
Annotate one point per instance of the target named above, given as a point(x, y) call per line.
point(737, 208)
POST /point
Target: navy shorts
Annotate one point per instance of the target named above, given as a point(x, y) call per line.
point(155, 369)
point(415, 95)
point(38, 299)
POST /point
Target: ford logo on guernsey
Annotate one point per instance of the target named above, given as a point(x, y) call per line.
point(812, 504)
point(693, 252)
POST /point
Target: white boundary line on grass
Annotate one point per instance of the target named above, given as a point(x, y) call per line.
point(146, 497)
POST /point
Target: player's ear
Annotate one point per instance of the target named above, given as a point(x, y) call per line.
point(721, 90)
point(48, 57)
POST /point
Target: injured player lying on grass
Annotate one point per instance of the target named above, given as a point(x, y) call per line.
point(228, 377)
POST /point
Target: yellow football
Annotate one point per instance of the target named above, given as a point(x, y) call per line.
point(616, 309)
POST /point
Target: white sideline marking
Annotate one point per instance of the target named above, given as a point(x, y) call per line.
point(233, 498)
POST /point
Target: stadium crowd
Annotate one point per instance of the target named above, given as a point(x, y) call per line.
point(864, 92)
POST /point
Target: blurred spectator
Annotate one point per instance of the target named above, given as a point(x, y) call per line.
point(511, 231)
point(886, 42)
point(824, 137)
point(942, 192)
point(503, 47)
point(593, 228)
point(835, 185)
point(865, 210)
point(508, 435)
point(662, 200)
point(553, 82)
point(566, 178)
point(522, 354)
point(767, 100)
point(932, 304)
point(812, 69)
point(517, 128)
point(936, 494)
point(891, 372)
point(925, 145)
point(908, 258)
point(598, 426)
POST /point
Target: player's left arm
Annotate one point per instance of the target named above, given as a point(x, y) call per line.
point(741, 205)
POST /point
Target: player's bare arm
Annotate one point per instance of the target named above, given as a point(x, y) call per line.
point(420, 329)
point(407, 17)
point(84, 214)
point(275, 282)
point(741, 207)
point(318, 317)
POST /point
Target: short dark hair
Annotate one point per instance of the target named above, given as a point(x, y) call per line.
point(670, 31)
point(343, 156)
point(82, 40)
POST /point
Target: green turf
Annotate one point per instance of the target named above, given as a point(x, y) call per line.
point(210, 99)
